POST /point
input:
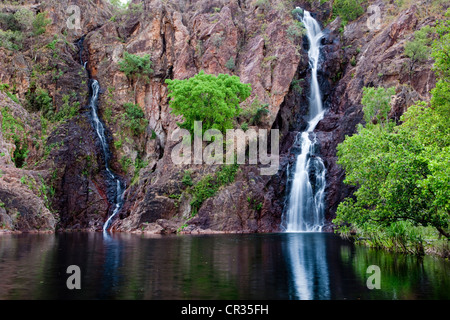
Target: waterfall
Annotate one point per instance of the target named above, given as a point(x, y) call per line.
point(119, 187)
point(100, 130)
point(305, 211)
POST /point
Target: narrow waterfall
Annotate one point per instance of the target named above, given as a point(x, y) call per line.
point(305, 211)
point(100, 130)
point(113, 180)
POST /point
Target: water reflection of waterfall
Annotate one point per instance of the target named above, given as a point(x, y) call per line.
point(111, 275)
point(306, 258)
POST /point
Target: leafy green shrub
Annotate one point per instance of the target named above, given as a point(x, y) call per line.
point(376, 103)
point(348, 10)
point(296, 87)
point(418, 50)
point(138, 165)
point(4, 87)
point(187, 179)
point(126, 163)
point(295, 30)
point(255, 112)
point(136, 68)
point(230, 65)
point(402, 172)
point(134, 118)
point(24, 18)
point(40, 23)
point(13, 130)
point(67, 111)
point(20, 153)
point(38, 99)
point(297, 12)
point(214, 100)
point(208, 186)
point(9, 22)
point(11, 40)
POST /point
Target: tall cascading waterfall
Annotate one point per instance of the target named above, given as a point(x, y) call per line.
point(118, 186)
point(100, 130)
point(305, 211)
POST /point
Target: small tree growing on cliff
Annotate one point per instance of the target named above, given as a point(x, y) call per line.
point(40, 23)
point(348, 10)
point(418, 50)
point(136, 68)
point(376, 103)
point(214, 100)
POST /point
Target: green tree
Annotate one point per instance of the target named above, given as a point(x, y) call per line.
point(40, 23)
point(134, 118)
point(9, 22)
point(11, 40)
point(418, 50)
point(214, 100)
point(230, 65)
point(38, 99)
point(136, 68)
point(348, 10)
point(441, 49)
point(403, 172)
point(376, 103)
point(25, 18)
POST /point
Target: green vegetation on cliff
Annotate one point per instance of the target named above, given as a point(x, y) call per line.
point(136, 68)
point(402, 171)
point(348, 10)
point(214, 100)
point(14, 130)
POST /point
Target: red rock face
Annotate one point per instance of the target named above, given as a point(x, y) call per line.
point(182, 41)
point(182, 38)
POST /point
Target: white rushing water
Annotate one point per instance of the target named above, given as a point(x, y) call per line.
point(100, 130)
point(306, 201)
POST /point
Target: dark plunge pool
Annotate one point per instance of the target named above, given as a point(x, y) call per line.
point(227, 266)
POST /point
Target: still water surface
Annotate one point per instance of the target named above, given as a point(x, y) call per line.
point(245, 266)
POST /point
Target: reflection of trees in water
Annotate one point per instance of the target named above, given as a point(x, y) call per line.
point(257, 266)
point(25, 257)
point(403, 276)
point(205, 267)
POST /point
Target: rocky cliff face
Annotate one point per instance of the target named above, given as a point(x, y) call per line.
point(184, 38)
point(366, 58)
point(251, 39)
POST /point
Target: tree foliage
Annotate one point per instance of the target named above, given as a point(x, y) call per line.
point(348, 10)
point(40, 23)
point(418, 50)
point(24, 18)
point(134, 119)
point(402, 172)
point(214, 100)
point(376, 102)
point(136, 67)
